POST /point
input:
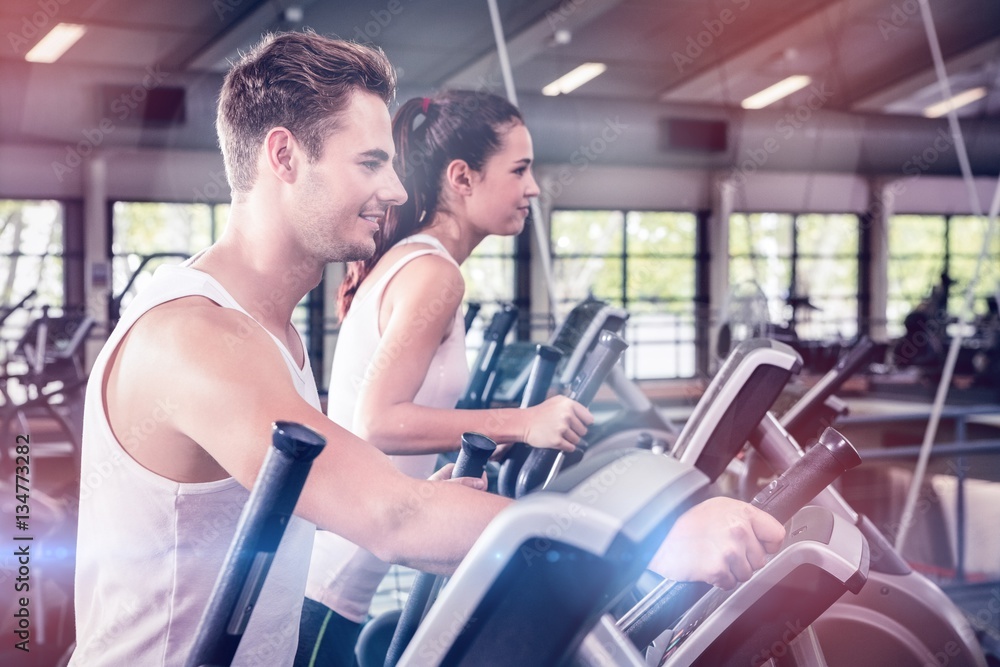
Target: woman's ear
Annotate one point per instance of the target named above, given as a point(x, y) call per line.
point(459, 177)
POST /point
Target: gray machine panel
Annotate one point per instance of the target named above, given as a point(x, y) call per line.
point(614, 505)
point(735, 401)
point(820, 570)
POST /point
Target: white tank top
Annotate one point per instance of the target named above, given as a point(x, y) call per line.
point(149, 548)
point(342, 575)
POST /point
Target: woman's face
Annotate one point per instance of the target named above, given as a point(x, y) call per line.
point(502, 189)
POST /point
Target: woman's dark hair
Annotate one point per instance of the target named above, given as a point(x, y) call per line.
point(429, 133)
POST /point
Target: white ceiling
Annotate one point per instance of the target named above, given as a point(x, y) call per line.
point(873, 54)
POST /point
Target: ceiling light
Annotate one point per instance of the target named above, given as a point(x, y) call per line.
point(57, 42)
point(956, 102)
point(770, 95)
point(572, 80)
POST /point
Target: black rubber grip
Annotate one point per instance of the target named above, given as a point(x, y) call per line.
point(258, 533)
point(822, 464)
point(599, 363)
point(782, 498)
point(411, 616)
point(299, 443)
point(543, 368)
point(595, 369)
point(475, 453)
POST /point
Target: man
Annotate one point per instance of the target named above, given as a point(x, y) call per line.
point(181, 400)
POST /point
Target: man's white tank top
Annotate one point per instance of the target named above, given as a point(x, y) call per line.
point(344, 576)
point(150, 549)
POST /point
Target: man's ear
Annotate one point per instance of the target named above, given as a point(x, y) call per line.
point(460, 177)
point(282, 154)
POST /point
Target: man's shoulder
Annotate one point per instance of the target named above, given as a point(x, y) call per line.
point(186, 313)
point(195, 323)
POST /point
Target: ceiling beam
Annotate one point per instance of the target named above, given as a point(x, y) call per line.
point(567, 15)
point(981, 54)
point(221, 49)
point(712, 82)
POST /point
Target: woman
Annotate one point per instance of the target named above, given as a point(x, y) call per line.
point(400, 364)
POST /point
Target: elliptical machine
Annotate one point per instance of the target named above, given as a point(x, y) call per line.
point(637, 423)
point(899, 617)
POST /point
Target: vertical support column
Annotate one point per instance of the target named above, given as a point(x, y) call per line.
point(703, 293)
point(96, 246)
point(315, 331)
point(543, 306)
point(522, 282)
point(864, 274)
point(539, 224)
point(961, 465)
point(880, 208)
point(74, 235)
point(332, 277)
point(723, 197)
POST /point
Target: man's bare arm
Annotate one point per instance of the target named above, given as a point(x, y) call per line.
point(227, 383)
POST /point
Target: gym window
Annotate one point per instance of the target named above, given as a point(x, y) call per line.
point(31, 258)
point(35, 249)
point(147, 235)
point(799, 272)
point(643, 261)
point(922, 248)
point(489, 274)
point(489, 271)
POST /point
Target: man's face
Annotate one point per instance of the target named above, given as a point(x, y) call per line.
point(346, 191)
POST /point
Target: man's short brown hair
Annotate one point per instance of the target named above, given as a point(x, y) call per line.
point(301, 81)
